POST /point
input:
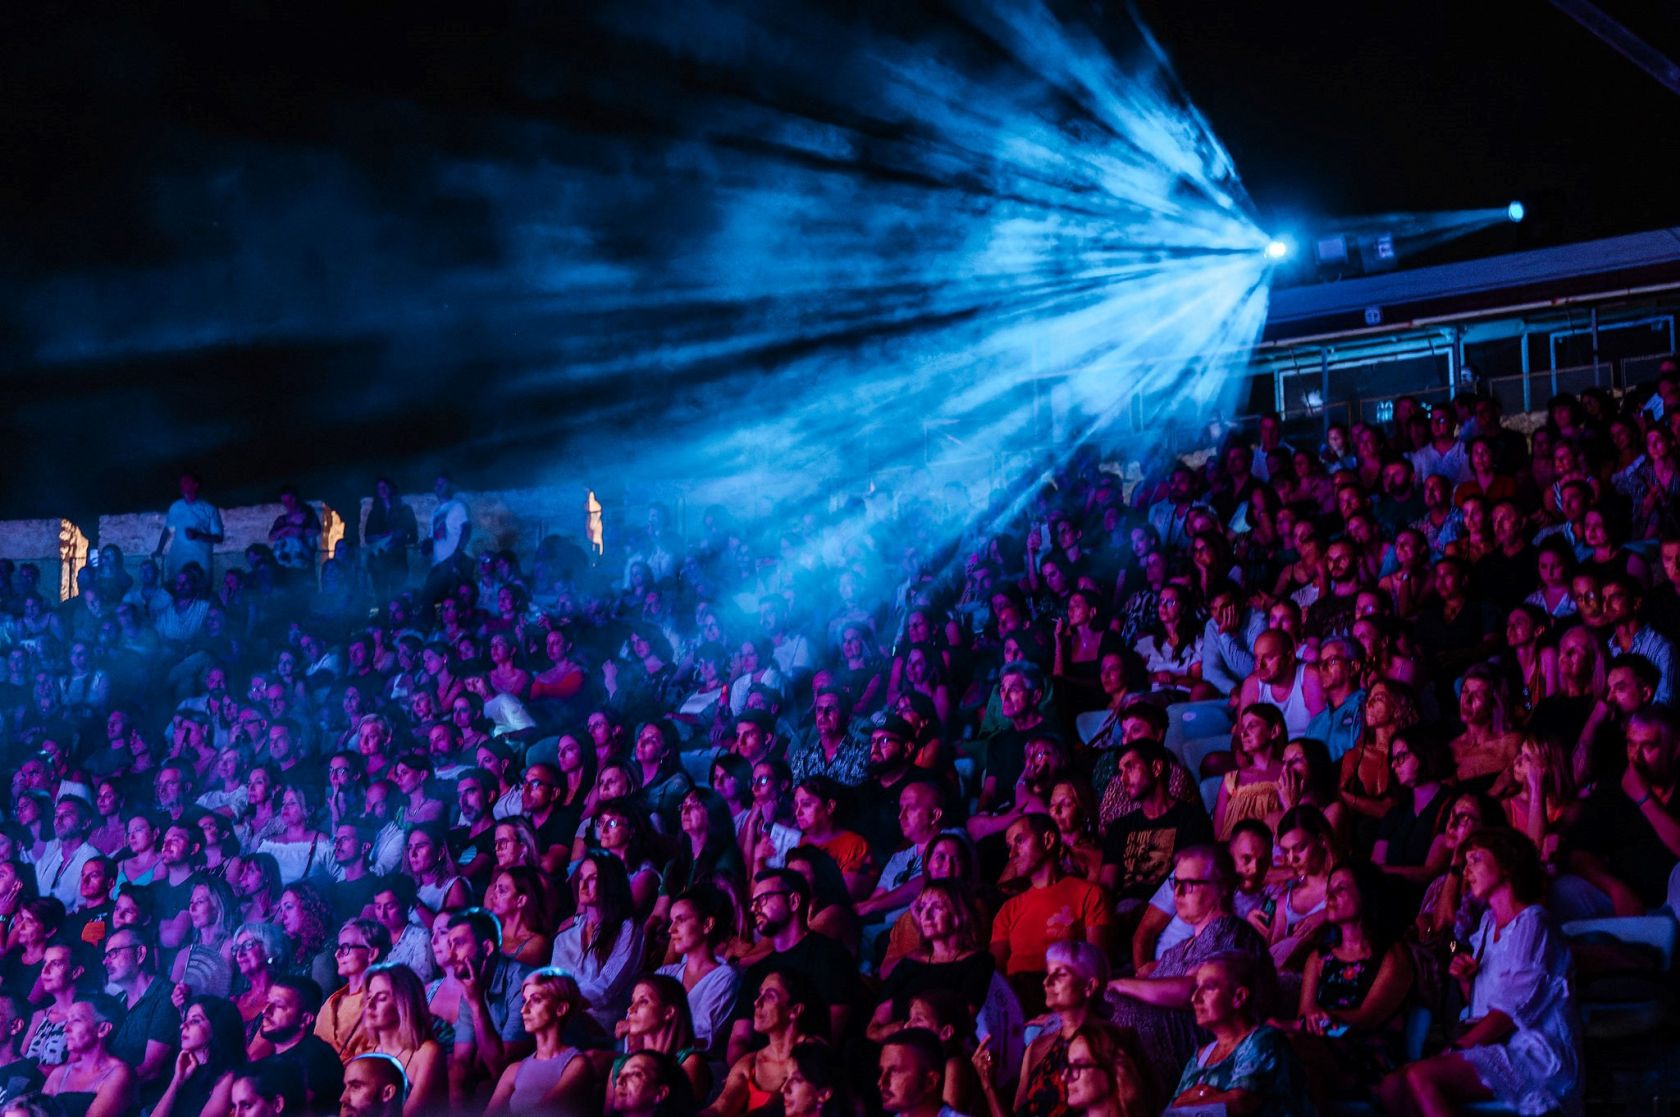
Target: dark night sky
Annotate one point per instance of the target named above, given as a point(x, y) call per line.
point(149, 152)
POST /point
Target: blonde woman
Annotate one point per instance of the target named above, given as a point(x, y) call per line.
point(396, 1022)
point(553, 1079)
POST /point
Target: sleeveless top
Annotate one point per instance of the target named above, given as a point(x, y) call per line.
point(758, 1096)
point(432, 894)
point(1294, 706)
point(1290, 916)
point(1046, 1090)
point(1251, 800)
point(48, 1047)
point(533, 1078)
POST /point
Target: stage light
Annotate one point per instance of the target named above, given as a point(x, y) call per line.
point(1515, 211)
point(1277, 249)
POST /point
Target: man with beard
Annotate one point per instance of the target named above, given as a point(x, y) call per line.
point(1332, 614)
point(172, 887)
point(890, 769)
point(470, 842)
point(1138, 847)
point(149, 1035)
point(492, 996)
point(286, 1040)
point(374, 1086)
point(1054, 907)
point(59, 872)
point(781, 901)
point(170, 786)
point(1627, 841)
point(1020, 689)
point(353, 882)
point(556, 824)
point(1600, 750)
point(830, 748)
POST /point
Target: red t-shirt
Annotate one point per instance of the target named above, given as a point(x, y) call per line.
point(1030, 922)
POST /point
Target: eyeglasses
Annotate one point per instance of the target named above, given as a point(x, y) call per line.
point(348, 947)
point(1080, 1068)
point(113, 951)
point(1184, 884)
point(764, 897)
point(612, 823)
point(538, 783)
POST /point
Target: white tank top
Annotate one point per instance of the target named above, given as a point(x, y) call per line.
point(1295, 713)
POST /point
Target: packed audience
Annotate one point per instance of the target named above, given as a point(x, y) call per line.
point(1261, 784)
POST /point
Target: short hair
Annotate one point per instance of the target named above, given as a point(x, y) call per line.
point(1220, 867)
point(399, 885)
point(378, 938)
point(106, 1008)
point(1244, 969)
point(271, 937)
point(1643, 669)
point(1149, 752)
point(1082, 958)
point(308, 992)
point(791, 881)
point(1028, 671)
point(1254, 827)
point(1516, 856)
point(1353, 649)
point(924, 1043)
point(389, 1069)
point(1148, 713)
point(484, 924)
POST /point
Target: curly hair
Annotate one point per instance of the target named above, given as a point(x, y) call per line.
point(315, 922)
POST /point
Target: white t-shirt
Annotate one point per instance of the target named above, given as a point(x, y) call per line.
point(200, 514)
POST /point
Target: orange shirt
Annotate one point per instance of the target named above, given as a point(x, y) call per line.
point(849, 851)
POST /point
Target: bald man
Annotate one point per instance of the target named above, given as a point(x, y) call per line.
point(374, 1086)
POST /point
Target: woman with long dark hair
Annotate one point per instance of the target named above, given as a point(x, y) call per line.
point(785, 1013)
point(664, 782)
point(518, 897)
point(658, 1020)
point(601, 945)
point(706, 849)
point(621, 826)
point(212, 1048)
point(1354, 986)
point(437, 886)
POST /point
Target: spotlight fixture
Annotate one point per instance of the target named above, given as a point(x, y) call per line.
point(1515, 212)
point(1277, 249)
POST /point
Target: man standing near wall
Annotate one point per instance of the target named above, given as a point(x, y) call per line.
point(191, 528)
point(451, 531)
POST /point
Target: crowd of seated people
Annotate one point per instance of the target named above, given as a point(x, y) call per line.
point(1192, 794)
